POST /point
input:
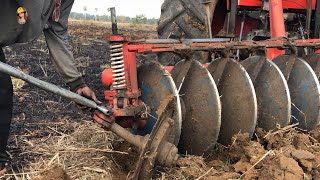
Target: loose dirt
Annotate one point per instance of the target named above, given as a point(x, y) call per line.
point(52, 139)
point(54, 173)
point(284, 154)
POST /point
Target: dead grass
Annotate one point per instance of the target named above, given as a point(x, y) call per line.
point(90, 32)
point(146, 27)
point(17, 83)
point(83, 150)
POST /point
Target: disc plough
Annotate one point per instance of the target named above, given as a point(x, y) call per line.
point(212, 102)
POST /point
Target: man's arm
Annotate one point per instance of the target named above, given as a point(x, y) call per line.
point(60, 51)
point(63, 60)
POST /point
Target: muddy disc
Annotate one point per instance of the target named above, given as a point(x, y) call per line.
point(314, 61)
point(304, 91)
point(273, 96)
point(159, 93)
point(238, 98)
point(201, 126)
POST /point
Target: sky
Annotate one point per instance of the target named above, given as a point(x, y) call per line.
point(131, 8)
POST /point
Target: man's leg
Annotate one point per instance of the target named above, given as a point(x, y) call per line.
point(6, 93)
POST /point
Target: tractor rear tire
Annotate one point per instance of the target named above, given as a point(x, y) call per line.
point(182, 19)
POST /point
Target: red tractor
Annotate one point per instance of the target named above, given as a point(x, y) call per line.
point(241, 20)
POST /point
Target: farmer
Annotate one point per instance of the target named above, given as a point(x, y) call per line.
point(23, 21)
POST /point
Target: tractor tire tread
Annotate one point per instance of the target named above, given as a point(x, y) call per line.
point(181, 19)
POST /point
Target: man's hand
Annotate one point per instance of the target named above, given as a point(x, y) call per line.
point(88, 93)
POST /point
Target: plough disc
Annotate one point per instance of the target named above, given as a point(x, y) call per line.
point(304, 91)
point(201, 126)
point(238, 98)
point(157, 91)
point(274, 102)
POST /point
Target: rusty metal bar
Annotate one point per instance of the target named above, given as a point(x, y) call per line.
point(207, 45)
point(308, 20)
point(168, 41)
point(233, 17)
point(114, 20)
point(136, 140)
point(7, 69)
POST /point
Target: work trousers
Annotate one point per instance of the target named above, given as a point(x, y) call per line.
point(6, 104)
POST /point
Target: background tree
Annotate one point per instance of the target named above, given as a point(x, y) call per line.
point(139, 19)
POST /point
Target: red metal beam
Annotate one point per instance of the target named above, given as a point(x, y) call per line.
point(204, 46)
point(287, 4)
point(277, 28)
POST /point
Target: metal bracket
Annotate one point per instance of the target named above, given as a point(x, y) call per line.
point(112, 10)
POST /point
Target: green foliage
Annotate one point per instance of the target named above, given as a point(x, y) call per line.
point(139, 19)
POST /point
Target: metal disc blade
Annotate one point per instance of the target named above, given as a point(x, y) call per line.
point(159, 92)
point(201, 126)
point(314, 61)
point(238, 99)
point(304, 91)
point(273, 96)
